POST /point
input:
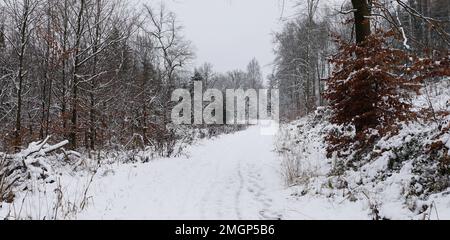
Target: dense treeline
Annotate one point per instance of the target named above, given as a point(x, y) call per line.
point(71, 68)
point(94, 72)
point(307, 41)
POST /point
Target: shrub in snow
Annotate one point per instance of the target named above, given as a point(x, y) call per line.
point(371, 87)
point(369, 90)
point(433, 170)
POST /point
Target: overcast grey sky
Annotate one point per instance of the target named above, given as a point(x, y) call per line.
point(229, 33)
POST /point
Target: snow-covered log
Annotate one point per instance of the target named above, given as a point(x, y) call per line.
point(41, 148)
point(17, 171)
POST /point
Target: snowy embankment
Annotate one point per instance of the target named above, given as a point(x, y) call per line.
point(399, 179)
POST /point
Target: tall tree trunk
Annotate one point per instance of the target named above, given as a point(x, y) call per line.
point(64, 69)
point(145, 78)
point(92, 112)
point(49, 76)
point(74, 119)
point(362, 20)
point(20, 74)
point(362, 31)
point(47, 82)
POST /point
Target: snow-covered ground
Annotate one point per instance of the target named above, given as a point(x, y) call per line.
point(235, 176)
point(232, 177)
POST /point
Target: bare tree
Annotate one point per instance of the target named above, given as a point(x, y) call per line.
point(208, 75)
point(94, 34)
point(22, 19)
point(173, 49)
point(302, 48)
point(254, 75)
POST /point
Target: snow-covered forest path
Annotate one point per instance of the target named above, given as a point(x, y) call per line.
point(235, 176)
